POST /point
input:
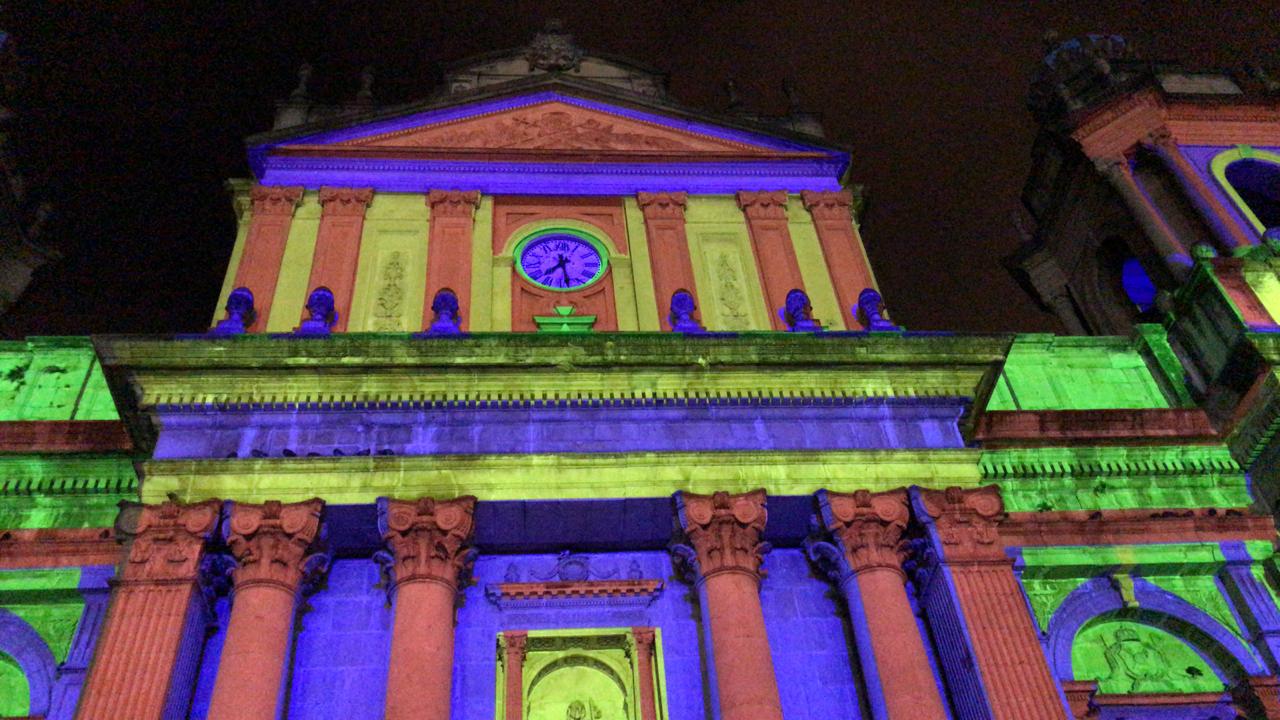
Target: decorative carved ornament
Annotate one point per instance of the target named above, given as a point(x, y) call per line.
point(553, 49)
point(453, 203)
point(272, 542)
point(869, 527)
point(168, 541)
point(274, 200)
point(663, 205)
point(771, 205)
point(428, 538)
point(725, 531)
point(833, 205)
point(350, 202)
point(585, 590)
point(967, 522)
point(555, 125)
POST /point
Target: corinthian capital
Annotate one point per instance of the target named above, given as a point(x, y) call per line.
point(273, 542)
point(966, 521)
point(453, 203)
point(763, 205)
point(274, 199)
point(868, 526)
point(725, 530)
point(168, 540)
point(666, 205)
point(345, 201)
point(1112, 166)
point(428, 538)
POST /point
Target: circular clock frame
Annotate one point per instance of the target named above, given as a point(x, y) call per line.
point(601, 251)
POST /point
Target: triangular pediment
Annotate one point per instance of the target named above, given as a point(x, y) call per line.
point(544, 124)
point(553, 125)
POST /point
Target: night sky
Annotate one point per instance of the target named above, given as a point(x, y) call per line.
point(135, 113)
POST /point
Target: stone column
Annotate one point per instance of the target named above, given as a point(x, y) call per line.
point(1118, 173)
point(428, 542)
point(724, 531)
point(513, 649)
point(868, 530)
point(272, 543)
point(775, 256)
point(452, 221)
point(156, 605)
point(263, 252)
point(1225, 227)
point(668, 248)
point(337, 253)
point(644, 638)
point(989, 645)
point(841, 248)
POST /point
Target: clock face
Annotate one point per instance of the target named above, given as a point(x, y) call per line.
point(561, 261)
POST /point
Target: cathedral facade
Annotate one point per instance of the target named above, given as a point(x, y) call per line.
point(548, 398)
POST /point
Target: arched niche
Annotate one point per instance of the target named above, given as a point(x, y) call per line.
point(1095, 611)
point(576, 687)
point(21, 647)
point(1251, 178)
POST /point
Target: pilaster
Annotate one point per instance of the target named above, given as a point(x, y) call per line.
point(724, 532)
point(259, 269)
point(845, 257)
point(513, 648)
point(668, 242)
point(976, 607)
point(337, 250)
point(428, 540)
point(766, 214)
point(449, 248)
point(136, 670)
point(643, 639)
point(273, 544)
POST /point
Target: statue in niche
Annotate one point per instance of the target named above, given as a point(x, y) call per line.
point(240, 313)
point(682, 310)
point(1135, 663)
point(798, 313)
point(320, 305)
point(447, 315)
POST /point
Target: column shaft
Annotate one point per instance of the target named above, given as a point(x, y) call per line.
point(419, 680)
point(251, 667)
point(1118, 173)
point(724, 531)
point(273, 544)
point(428, 540)
point(910, 690)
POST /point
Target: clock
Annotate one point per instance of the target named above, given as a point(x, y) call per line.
point(561, 261)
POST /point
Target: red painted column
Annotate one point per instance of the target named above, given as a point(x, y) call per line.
point(668, 247)
point(869, 528)
point(272, 543)
point(766, 214)
point(428, 541)
point(338, 246)
point(1229, 231)
point(724, 531)
point(644, 638)
point(151, 608)
point(513, 657)
point(1005, 644)
point(846, 262)
point(259, 268)
point(449, 248)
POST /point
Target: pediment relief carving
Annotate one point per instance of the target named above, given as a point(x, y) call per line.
point(553, 126)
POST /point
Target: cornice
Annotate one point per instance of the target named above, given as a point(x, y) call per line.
point(1136, 527)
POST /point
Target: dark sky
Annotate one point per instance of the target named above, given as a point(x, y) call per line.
point(136, 112)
